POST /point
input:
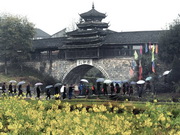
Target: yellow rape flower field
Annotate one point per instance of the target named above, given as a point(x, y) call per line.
point(19, 116)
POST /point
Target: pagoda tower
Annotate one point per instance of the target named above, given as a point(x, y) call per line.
point(87, 39)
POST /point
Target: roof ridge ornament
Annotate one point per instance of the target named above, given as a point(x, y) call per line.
point(93, 5)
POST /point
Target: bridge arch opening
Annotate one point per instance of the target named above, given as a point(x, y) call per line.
point(88, 72)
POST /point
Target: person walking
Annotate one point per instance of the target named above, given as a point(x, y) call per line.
point(14, 89)
point(98, 88)
point(10, 89)
point(112, 88)
point(93, 89)
point(38, 91)
point(80, 87)
point(63, 91)
point(48, 94)
point(105, 89)
point(117, 88)
point(20, 91)
point(56, 92)
point(4, 88)
point(28, 91)
point(130, 90)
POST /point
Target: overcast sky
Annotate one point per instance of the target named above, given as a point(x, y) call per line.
point(123, 15)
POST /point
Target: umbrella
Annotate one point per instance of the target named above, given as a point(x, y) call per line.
point(140, 82)
point(20, 83)
point(166, 72)
point(107, 81)
point(57, 84)
point(84, 80)
point(125, 81)
point(117, 81)
point(12, 81)
point(100, 80)
point(49, 86)
point(38, 84)
point(148, 78)
point(132, 82)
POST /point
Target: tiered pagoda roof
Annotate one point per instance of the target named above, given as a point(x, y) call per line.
point(93, 15)
point(90, 31)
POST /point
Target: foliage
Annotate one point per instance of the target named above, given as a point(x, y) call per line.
point(16, 35)
point(18, 116)
point(169, 48)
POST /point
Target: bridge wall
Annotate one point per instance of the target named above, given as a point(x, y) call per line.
point(111, 68)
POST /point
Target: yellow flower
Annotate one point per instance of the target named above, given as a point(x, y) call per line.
point(155, 101)
point(1, 125)
point(148, 122)
point(161, 117)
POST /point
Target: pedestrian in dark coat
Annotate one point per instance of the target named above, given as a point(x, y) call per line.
point(56, 89)
point(117, 88)
point(140, 90)
point(3, 87)
point(38, 90)
point(14, 90)
point(10, 89)
point(20, 90)
point(130, 90)
point(124, 89)
point(112, 88)
point(98, 88)
point(105, 89)
point(28, 91)
point(48, 94)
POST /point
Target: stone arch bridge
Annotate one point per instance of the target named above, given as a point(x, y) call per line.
point(71, 71)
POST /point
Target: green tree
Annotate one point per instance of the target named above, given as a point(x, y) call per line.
point(16, 35)
point(169, 49)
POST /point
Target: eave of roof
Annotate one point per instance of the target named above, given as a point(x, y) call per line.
point(136, 37)
point(48, 43)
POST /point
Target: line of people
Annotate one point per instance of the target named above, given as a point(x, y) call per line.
point(12, 89)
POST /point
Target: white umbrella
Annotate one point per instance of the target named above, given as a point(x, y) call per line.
point(100, 80)
point(84, 80)
point(166, 72)
point(148, 78)
point(140, 82)
point(12, 81)
point(38, 84)
point(57, 84)
point(49, 86)
point(107, 81)
point(21, 82)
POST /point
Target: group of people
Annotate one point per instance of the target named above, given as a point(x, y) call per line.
point(125, 88)
point(114, 88)
point(12, 89)
point(67, 91)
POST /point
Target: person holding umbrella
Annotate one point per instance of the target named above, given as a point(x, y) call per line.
point(20, 90)
point(63, 90)
point(48, 94)
point(38, 91)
